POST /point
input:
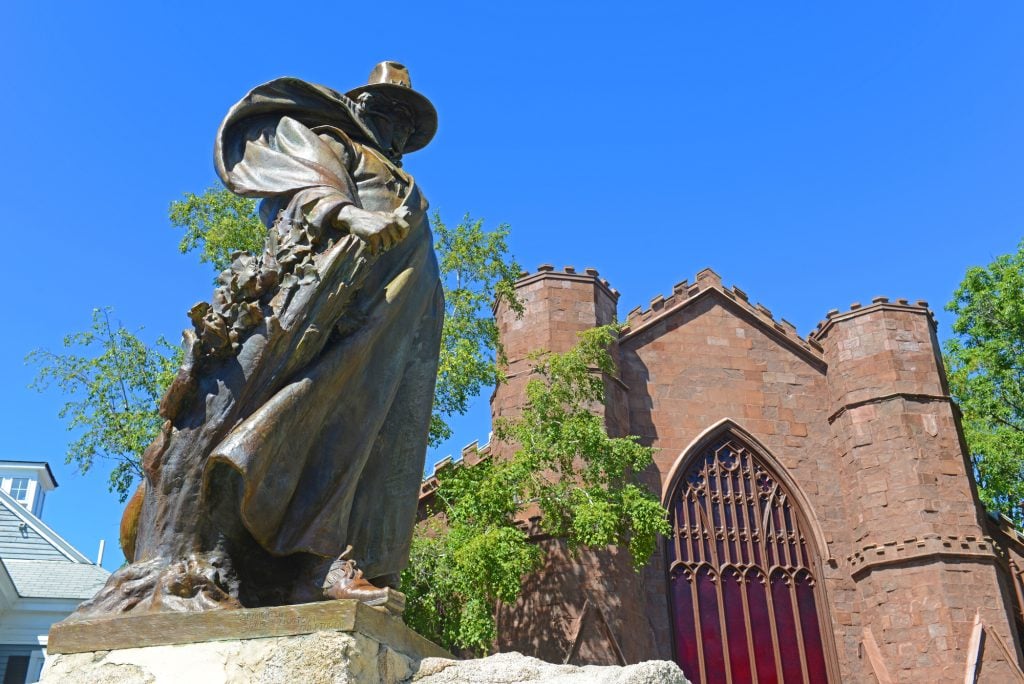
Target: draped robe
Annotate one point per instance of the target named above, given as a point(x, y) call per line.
point(323, 410)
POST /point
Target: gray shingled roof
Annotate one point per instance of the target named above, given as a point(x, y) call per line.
point(55, 578)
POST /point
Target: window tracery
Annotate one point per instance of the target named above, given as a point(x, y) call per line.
point(742, 580)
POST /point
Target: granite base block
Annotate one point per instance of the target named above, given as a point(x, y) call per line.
point(336, 642)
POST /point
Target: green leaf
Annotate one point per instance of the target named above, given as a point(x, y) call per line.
point(474, 553)
point(218, 223)
point(476, 269)
point(985, 366)
point(114, 382)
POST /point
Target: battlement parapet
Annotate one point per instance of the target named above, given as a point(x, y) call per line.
point(707, 281)
point(877, 304)
point(546, 271)
point(471, 454)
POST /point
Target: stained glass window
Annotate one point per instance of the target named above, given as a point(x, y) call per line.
point(741, 579)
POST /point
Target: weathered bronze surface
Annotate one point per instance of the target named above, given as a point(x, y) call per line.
point(295, 433)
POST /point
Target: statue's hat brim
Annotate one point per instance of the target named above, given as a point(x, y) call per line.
point(392, 80)
point(425, 123)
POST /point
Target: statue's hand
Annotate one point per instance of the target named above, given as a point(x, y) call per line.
point(380, 231)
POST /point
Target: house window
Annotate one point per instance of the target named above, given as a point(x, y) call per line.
point(19, 489)
point(742, 579)
point(16, 670)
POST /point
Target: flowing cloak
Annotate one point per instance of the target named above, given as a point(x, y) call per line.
point(324, 409)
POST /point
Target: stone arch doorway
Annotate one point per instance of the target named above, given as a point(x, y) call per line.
point(743, 574)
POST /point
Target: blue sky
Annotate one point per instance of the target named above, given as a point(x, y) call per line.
point(815, 154)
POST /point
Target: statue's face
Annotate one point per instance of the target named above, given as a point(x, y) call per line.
point(394, 123)
point(401, 128)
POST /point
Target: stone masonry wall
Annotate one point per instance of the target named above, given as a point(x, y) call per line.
point(708, 357)
point(557, 306)
point(590, 603)
point(857, 419)
point(920, 557)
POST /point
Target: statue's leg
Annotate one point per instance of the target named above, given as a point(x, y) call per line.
point(264, 579)
point(380, 535)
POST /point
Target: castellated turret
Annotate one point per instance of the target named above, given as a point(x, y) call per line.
point(557, 306)
point(921, 556)
point(892, 418)
point(590, 600)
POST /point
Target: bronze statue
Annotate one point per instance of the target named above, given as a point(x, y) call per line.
point(292, 452)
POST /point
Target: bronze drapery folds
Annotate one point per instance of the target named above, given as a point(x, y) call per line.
point(295, 433)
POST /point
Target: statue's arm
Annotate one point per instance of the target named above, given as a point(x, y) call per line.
point(379, 230)
point(306, 176)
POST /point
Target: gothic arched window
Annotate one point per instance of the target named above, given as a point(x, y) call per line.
point(742, 580)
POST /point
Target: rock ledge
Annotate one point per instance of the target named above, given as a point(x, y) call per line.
point(515, 668)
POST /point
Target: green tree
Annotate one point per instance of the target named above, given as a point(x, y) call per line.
point(475, 268)
point(218, 223)
point(473, 554)
point(116, 380)
point(985, 364)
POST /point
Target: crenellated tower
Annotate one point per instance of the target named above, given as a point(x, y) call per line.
point(922, 562)
point(592, 601)
point(557, 306)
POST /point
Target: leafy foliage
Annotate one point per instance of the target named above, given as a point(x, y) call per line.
point(116, 381)
point(474, 554)
point(218, 223)
point(476, 271)
point(985, 364)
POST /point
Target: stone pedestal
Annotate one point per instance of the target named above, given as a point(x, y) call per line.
point(334, 641)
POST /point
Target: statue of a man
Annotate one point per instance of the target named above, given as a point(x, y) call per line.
point(289, 464)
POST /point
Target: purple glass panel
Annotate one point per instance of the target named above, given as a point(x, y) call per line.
point(710, 629)
point(691, 538)
point(736, 625)
point(757, 534)
point(714, 502)
point(789, 650)
point(743, 537)
point(685, 629)
point(678, 533)
point(760, 626)
point(742, 528)
point(706, 530)
point(816, 669)
point(733, 517)
point(729, 533)
point(778, 545)
point(787, 530)
point(719, 539)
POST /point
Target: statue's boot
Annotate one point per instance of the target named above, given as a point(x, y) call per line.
point(345, 581)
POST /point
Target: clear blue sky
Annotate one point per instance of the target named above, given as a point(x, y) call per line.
point(814, 154)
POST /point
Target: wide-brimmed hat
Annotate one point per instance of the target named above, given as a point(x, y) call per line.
point(392, 79)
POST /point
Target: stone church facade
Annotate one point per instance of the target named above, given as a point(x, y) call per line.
point(826, 523)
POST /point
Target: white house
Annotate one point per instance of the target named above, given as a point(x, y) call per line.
point(42, 577)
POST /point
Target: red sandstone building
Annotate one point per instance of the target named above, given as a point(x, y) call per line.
point(826, 523)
